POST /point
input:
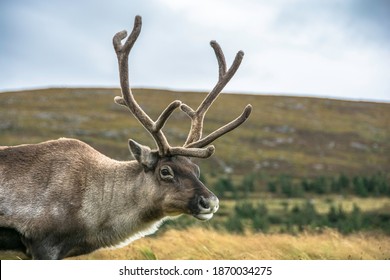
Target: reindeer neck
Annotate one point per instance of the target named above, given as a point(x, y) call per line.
point(122, 202)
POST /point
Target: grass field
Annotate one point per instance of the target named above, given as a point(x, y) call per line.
point(202, 244)
point(187, 238)
point(298, 136)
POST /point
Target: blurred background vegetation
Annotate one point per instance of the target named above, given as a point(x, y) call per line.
point(298, 164)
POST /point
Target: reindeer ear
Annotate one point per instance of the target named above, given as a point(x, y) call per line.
point(144, 155)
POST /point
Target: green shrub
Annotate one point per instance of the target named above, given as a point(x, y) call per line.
point(234, 224)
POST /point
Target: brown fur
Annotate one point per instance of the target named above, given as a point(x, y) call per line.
point(65, 198)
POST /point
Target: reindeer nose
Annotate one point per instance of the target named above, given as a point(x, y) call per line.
point(210, 204)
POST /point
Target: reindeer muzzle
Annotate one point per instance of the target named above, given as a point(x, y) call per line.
point(206, 207)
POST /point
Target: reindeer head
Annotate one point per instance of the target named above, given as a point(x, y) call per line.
point(171, 167)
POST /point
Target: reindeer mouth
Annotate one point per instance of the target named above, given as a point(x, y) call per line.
point(206, 208)
point(204, 217)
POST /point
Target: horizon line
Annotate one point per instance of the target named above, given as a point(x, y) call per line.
point(280, 94)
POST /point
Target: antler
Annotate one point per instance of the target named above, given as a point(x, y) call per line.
point(194, 139)
point(127, 99)
point(194, 145)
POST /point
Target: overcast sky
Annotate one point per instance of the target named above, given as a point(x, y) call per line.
point(326, 48)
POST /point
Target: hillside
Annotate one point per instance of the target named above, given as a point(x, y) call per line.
point(302, 178)
point(299, 136)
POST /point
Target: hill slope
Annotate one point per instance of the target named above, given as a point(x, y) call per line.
point(291, 135)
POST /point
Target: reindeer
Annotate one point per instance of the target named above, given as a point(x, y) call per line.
point(62, 198)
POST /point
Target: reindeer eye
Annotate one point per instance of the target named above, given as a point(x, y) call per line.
point(166, 173)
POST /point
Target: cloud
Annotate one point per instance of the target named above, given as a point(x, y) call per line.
point(335, 48)
point(371, 19)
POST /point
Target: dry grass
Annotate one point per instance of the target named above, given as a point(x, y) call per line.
point(202, 244)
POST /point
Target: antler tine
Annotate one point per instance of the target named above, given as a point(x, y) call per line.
point(222, 130)
point(194, 146)
point(194, 138)
point(127, 98)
